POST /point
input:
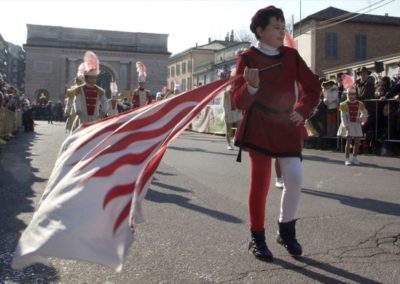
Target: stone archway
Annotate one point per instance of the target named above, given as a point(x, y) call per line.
point(104, 78)
point(42, 96)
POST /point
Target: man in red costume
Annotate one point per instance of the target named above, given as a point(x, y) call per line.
point(272, 126)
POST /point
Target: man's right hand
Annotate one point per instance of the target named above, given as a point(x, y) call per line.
point(252, 77)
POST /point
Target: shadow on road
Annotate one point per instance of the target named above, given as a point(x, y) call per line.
point(194, 136)
point(161, 197)
point(340, 162)
point(321, 159)
point(325, 267)
point(230, 153)
point(16, 180)
point(378, 206)
point(164, 173)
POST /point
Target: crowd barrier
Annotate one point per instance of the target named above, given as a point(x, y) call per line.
point(382, 131)
point(10, 121)
point(378, 107)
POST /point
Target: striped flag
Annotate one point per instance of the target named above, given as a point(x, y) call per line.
point(92, 201)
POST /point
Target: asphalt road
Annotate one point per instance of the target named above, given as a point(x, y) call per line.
point(196, 218)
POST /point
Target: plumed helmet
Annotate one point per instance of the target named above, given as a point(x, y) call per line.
point(91, 63)
point(141, 69)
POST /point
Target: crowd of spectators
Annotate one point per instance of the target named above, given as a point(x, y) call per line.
point(13, 105)
point(17, 111)
point(381, 96)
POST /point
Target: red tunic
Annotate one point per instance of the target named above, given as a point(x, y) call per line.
point(353, 110)
point(91, 98)
point(266, 126)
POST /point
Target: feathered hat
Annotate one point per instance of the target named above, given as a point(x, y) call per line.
point(113, 88)
point(328, 83)
point(81, 70)
point(141, 69)
point(91, 64)
point(348, 83)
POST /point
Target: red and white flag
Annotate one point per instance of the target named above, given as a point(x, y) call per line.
point(100, 178)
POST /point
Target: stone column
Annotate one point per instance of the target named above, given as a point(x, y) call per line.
point(72, 68)
point(125, 75)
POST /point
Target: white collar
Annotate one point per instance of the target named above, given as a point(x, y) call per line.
point(267, 49)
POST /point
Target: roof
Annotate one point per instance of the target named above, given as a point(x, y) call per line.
point(211, 46)
point(332, 12)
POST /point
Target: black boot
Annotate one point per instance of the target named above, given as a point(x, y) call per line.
point(258, 246)
point(287, 238)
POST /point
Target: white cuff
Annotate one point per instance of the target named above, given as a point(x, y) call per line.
point(251, 89)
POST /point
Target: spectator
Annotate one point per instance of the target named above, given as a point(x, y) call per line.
point(388, 128)
point(331, 100)
point(49, 112)
point(365, 88)
point(340, 87)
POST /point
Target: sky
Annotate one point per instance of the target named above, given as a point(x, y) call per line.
point(187, 22)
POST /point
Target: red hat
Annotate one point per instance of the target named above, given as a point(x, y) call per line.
point(261, 11)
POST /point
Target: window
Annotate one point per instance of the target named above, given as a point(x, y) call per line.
point(172, 71)
point(331, 45)
point(361, 46)
point(183, 85)
point(168, 72)
point(178, 69)
point(189, 83)
point(190, 66)
point(183, 67)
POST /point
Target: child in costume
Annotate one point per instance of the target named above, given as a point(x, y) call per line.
point(352, 114)
point(272, 126)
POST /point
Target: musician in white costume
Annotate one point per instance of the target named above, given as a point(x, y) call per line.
point(141, 96)
point(113, 102)
point(90, 98)
point(69, 110)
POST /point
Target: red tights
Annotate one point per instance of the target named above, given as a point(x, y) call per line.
point(260, 176)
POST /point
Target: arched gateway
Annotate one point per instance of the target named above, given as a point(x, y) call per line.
point(53, 55)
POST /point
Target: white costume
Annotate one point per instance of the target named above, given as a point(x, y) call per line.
point(352, 113)
point(112, 107)
point(89, 100)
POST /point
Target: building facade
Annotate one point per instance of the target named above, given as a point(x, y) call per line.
point(388, 65)
point(12, 64)
point(53, 55)
point(200, 65)
point(327, 40)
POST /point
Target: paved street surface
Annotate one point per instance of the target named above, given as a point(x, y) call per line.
point(196, 218)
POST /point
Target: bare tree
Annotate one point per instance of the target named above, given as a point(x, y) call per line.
point(245, 35)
